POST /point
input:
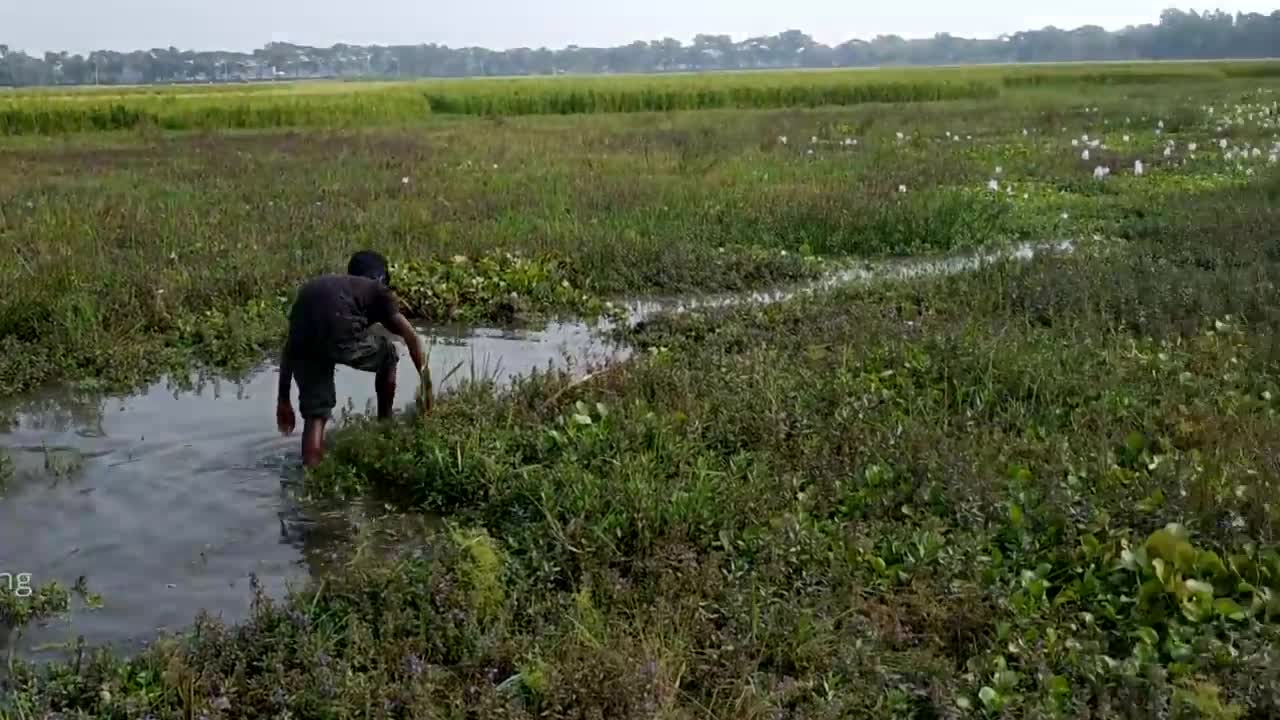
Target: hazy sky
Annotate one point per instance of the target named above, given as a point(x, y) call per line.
point(83, 25)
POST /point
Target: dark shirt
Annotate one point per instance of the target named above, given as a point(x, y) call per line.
point(333, 312)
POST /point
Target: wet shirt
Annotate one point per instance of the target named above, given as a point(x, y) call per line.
point(333, 312)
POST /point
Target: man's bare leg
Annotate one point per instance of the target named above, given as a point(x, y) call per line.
point(384, 386)
point(313, 441)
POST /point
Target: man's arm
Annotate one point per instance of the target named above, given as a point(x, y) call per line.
point(285, 418)
point(399, 325)
point(286, 375)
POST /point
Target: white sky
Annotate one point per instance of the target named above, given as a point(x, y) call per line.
point(84, 25)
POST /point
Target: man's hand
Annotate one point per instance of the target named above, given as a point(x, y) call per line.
point(286, 421)
point(400, 326)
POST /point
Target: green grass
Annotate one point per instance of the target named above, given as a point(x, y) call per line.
point(1044, 489)
point(137, 254)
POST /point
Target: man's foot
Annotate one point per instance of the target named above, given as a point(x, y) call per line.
point(313, 442)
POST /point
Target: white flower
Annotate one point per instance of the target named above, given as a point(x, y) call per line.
point(993, 185)
point(1273, 158)
point(1160, 124)
point(948, 133)
point(1024, 132)
point(1249, 172)
point(1125, 138)
point(1101, 172)
point(782, 139)
point(810, 151)
point(902, 188)
point(1191, 147)
point(813, 140)
point(1084, 138)
point(1222, 143)
point(1094, 143)
point(1168, 152)
point(1257, 153)
point(404, 180)
point(1137, 167)
point(1026, 196)
point(1085, 155)
point(968, 137)
point(999, 170)
point(900, 135)
point(1075, 143)
point(1064, 216)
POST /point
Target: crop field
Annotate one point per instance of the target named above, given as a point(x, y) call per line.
point(1041, 488)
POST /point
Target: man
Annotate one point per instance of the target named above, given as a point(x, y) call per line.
point(329, 325)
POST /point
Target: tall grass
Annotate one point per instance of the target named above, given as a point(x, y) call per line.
point(557, 97)
point(36, 115)
point(328, 104)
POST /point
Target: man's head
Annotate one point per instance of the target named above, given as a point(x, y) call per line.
point(369, 264)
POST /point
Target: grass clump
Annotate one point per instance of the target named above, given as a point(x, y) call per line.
point(494, 287)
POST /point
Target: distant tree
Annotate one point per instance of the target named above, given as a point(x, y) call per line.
point(1178, 35)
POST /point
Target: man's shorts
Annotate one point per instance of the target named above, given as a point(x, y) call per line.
point(317, 395)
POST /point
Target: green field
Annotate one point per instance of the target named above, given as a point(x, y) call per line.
point(1044, 488)
point(344, 105)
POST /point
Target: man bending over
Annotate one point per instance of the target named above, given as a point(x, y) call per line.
point(331, 324)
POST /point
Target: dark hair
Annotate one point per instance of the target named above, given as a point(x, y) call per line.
point(369, 264)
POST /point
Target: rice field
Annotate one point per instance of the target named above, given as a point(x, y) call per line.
point(50, 111)
point(1040, 488)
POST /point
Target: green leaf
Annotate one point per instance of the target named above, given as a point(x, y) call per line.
point(1198, 587)
point(1230, 609)
point(1147, 635)
point(1059, 685)
point(1015, 516)
point(988, 696)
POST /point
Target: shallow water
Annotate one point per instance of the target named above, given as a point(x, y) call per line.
point(169, 500)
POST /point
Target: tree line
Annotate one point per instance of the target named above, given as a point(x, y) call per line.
point(1178, 35)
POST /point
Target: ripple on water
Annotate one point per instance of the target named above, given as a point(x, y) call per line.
point(172, 498)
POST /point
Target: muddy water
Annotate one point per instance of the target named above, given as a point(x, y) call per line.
point(168, 501)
